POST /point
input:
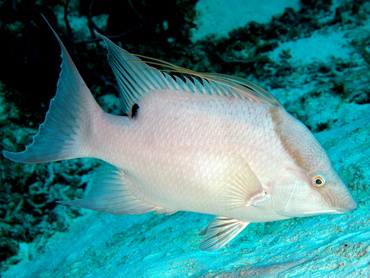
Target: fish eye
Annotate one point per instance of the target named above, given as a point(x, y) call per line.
point(318, 181)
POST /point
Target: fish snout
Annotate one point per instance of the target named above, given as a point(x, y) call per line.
point(341, 199)
point(349, 205)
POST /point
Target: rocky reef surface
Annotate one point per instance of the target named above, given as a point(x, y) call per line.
point(315, 60)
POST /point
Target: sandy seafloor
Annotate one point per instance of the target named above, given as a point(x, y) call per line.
point(101, 245)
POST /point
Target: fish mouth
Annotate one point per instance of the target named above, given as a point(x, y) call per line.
point(337, 210)
point(308, 213)
point(320, 212)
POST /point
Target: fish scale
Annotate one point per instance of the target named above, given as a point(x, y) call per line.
point(213, 144)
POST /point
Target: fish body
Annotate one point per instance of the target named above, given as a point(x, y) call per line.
point(215, 144)
point(194, 142)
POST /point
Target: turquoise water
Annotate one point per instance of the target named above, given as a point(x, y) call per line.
point(314, 59)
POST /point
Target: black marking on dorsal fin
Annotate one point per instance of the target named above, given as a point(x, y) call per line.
point(134, 110)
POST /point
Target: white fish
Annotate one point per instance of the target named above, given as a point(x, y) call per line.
point(214, 144)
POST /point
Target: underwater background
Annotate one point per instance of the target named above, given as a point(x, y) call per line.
point(313, 56)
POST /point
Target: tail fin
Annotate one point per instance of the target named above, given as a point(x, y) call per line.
point(70, 114)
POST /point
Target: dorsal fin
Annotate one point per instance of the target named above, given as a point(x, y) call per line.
point(235, 86)
point(136, 78)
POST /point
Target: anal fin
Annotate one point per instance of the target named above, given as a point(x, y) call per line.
point(110, 193)
point(220, 231)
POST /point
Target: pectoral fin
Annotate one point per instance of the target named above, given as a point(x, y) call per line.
point(242, 187)
point(220, 231)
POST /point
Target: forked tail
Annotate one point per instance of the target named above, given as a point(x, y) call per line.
point(68, 123)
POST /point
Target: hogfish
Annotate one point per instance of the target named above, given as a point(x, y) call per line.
point(205, 143)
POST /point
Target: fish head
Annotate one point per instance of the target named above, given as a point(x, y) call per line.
point(308, 184)
point(296, 193)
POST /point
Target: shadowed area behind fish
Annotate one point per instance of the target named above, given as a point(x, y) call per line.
point(213, 144)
